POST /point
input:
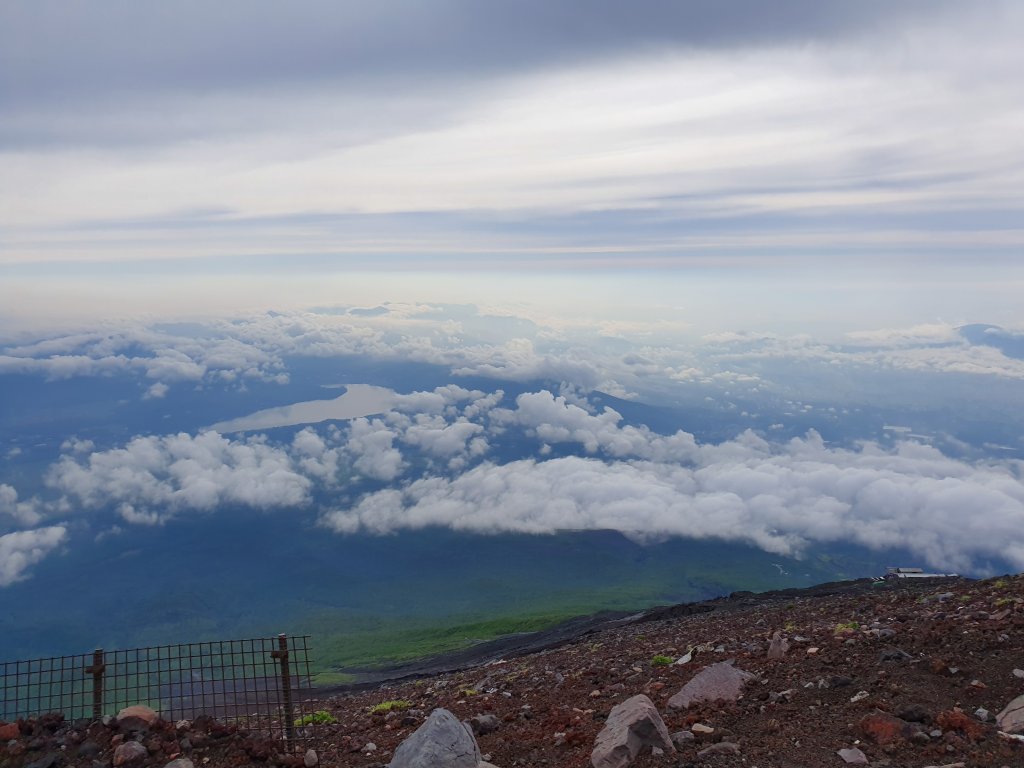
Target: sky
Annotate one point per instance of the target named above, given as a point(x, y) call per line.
point(777, 218)
point(854, 163)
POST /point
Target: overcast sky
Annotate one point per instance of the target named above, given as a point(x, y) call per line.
point(774, 145)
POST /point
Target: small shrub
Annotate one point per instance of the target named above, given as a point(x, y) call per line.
point(468, 692)
point(389, 706)
point(660, 661)
point(842, 627)
point(320, 717)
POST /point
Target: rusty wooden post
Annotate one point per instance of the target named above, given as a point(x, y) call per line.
point(96, 670)
point(281, 654)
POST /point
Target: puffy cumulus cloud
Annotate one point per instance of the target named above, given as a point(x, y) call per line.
point(23, 512)
point(780, 498)
point(456, 442)
point(156, 391)
point(23, 549)
point(557, 420)
point(372, 442)
point(153, 477)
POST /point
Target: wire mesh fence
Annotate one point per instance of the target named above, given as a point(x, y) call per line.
point(263, 685)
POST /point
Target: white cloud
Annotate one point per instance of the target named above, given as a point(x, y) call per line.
point(156, 391)
point(371, 441)
point(23, 512)
point(780, 498)
point(154, 477)
point(23, 549)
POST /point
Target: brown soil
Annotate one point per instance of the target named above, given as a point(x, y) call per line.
point(927, 656)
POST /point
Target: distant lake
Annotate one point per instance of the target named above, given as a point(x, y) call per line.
point(358, 400)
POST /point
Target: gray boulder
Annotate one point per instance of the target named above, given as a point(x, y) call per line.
point(441, 742)
point(631, 726)
point(778, 646)
point(1011, 719)
point(719, 682)
point(129, 752)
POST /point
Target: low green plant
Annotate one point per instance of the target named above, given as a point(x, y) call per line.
point(843, 626)
point(392, 705)
point(661, 661)
point(320, 717)
point(468, 692)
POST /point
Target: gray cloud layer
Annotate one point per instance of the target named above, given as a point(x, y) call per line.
point(52, 50)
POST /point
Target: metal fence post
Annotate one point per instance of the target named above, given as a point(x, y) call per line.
point(96, 670)
point(281, 654)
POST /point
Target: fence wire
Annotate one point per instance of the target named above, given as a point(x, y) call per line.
point(263, 684)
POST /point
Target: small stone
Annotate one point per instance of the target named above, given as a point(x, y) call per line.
point(89, 749)
point(484, 724)
point(701, 728)
point(853, 756)
point(977, 684)
point(895, 655)
point(920, 738)
point(982, 714)
point(840, 681)
point(914, 713)
point(778, 646)
point(1019, 673)
point(9, 731)
point(129, 752)
point(311, 760)
point(812, 651)
point(47, 761)
point(859, 696)
point(682, 738)
point(721, 748)
point(369, 747)
point(181, 762)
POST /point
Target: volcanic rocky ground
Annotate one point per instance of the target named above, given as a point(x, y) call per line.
point(910, 674)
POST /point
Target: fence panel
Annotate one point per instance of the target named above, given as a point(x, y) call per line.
point(261, 684)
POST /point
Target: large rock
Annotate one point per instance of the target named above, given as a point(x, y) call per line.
point(1011, 719)
point(136, 718)
point(631, 726)
point(719, 682)
point(441, 742)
